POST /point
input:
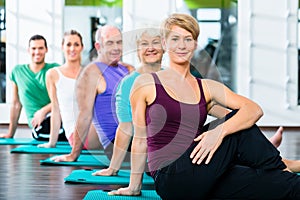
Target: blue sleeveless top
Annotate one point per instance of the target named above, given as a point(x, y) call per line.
point(104, 118)
point(171, 126)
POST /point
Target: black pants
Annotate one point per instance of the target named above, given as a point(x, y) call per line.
point(245, 166)
point(42, 133)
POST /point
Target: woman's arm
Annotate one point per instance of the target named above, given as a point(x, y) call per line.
point(248, 111)
point(139, 100)
point(218, 111)
point(247, 115)
point(51, 79)
point(123, 137)
point(86, 88)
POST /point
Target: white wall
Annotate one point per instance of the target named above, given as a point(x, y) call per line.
point(267, 43)
point(267, 66)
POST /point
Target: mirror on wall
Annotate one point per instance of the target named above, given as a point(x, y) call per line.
point(2, 52)
point(86, 16)
point(299, 55)
point(215, 57)
point(217, 44)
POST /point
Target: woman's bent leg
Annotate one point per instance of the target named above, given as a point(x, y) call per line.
point(254, 149)
point(184, 180)
point(249, 147)
point(241, 182)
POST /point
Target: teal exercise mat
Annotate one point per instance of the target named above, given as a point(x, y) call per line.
point(100, 194)
point(59, 149)
point(24, 141)
point(85, 176)
point(84, 160)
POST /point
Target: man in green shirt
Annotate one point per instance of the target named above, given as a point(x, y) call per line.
point(29, 89)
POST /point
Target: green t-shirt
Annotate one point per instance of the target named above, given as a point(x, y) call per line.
point(32, 88)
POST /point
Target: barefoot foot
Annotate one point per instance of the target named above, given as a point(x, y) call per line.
point(277, 137)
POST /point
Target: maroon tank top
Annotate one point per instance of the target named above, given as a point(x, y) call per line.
point(171, 126)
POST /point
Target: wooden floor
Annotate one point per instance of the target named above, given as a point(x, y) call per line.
point(22, 177)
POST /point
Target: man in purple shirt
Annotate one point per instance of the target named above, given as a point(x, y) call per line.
point(95, 92)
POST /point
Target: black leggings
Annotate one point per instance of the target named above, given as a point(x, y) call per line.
point(245, 166)
point(42, 133)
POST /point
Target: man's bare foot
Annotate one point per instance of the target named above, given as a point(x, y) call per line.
point(277, 137)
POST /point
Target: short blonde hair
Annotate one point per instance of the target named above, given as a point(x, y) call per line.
point(184, 21)
point(151, 31)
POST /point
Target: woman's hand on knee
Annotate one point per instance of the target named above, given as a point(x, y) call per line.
point(209, 142)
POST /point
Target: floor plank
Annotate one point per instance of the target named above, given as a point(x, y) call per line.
point(22, 176)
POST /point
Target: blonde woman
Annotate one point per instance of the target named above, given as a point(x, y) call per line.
point(187, 160)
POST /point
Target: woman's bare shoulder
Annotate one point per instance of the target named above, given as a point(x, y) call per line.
point(144, 79)
point(52, 73)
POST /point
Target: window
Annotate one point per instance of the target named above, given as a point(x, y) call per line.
point(216, 43)
point(298, 56)
point(2, 53)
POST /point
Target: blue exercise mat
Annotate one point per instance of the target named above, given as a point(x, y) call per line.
point(84, 160)
point(85, 176)
point(24, 141)
point(59, 149)
point(99, 194)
